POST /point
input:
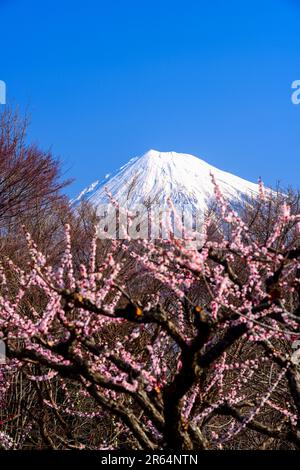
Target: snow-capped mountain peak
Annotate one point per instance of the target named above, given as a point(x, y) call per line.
point(156, 177)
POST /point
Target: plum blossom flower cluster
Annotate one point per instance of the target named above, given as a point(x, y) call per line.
point(195, 352)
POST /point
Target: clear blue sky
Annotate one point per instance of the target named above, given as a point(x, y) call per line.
point(108, 80)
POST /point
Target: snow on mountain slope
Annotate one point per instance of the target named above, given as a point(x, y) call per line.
point(156, 176)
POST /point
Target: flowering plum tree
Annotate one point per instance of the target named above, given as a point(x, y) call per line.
point(196, 350)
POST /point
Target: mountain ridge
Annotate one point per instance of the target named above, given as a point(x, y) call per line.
point(156, 177)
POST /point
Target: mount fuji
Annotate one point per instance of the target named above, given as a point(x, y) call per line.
point(156, 177)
